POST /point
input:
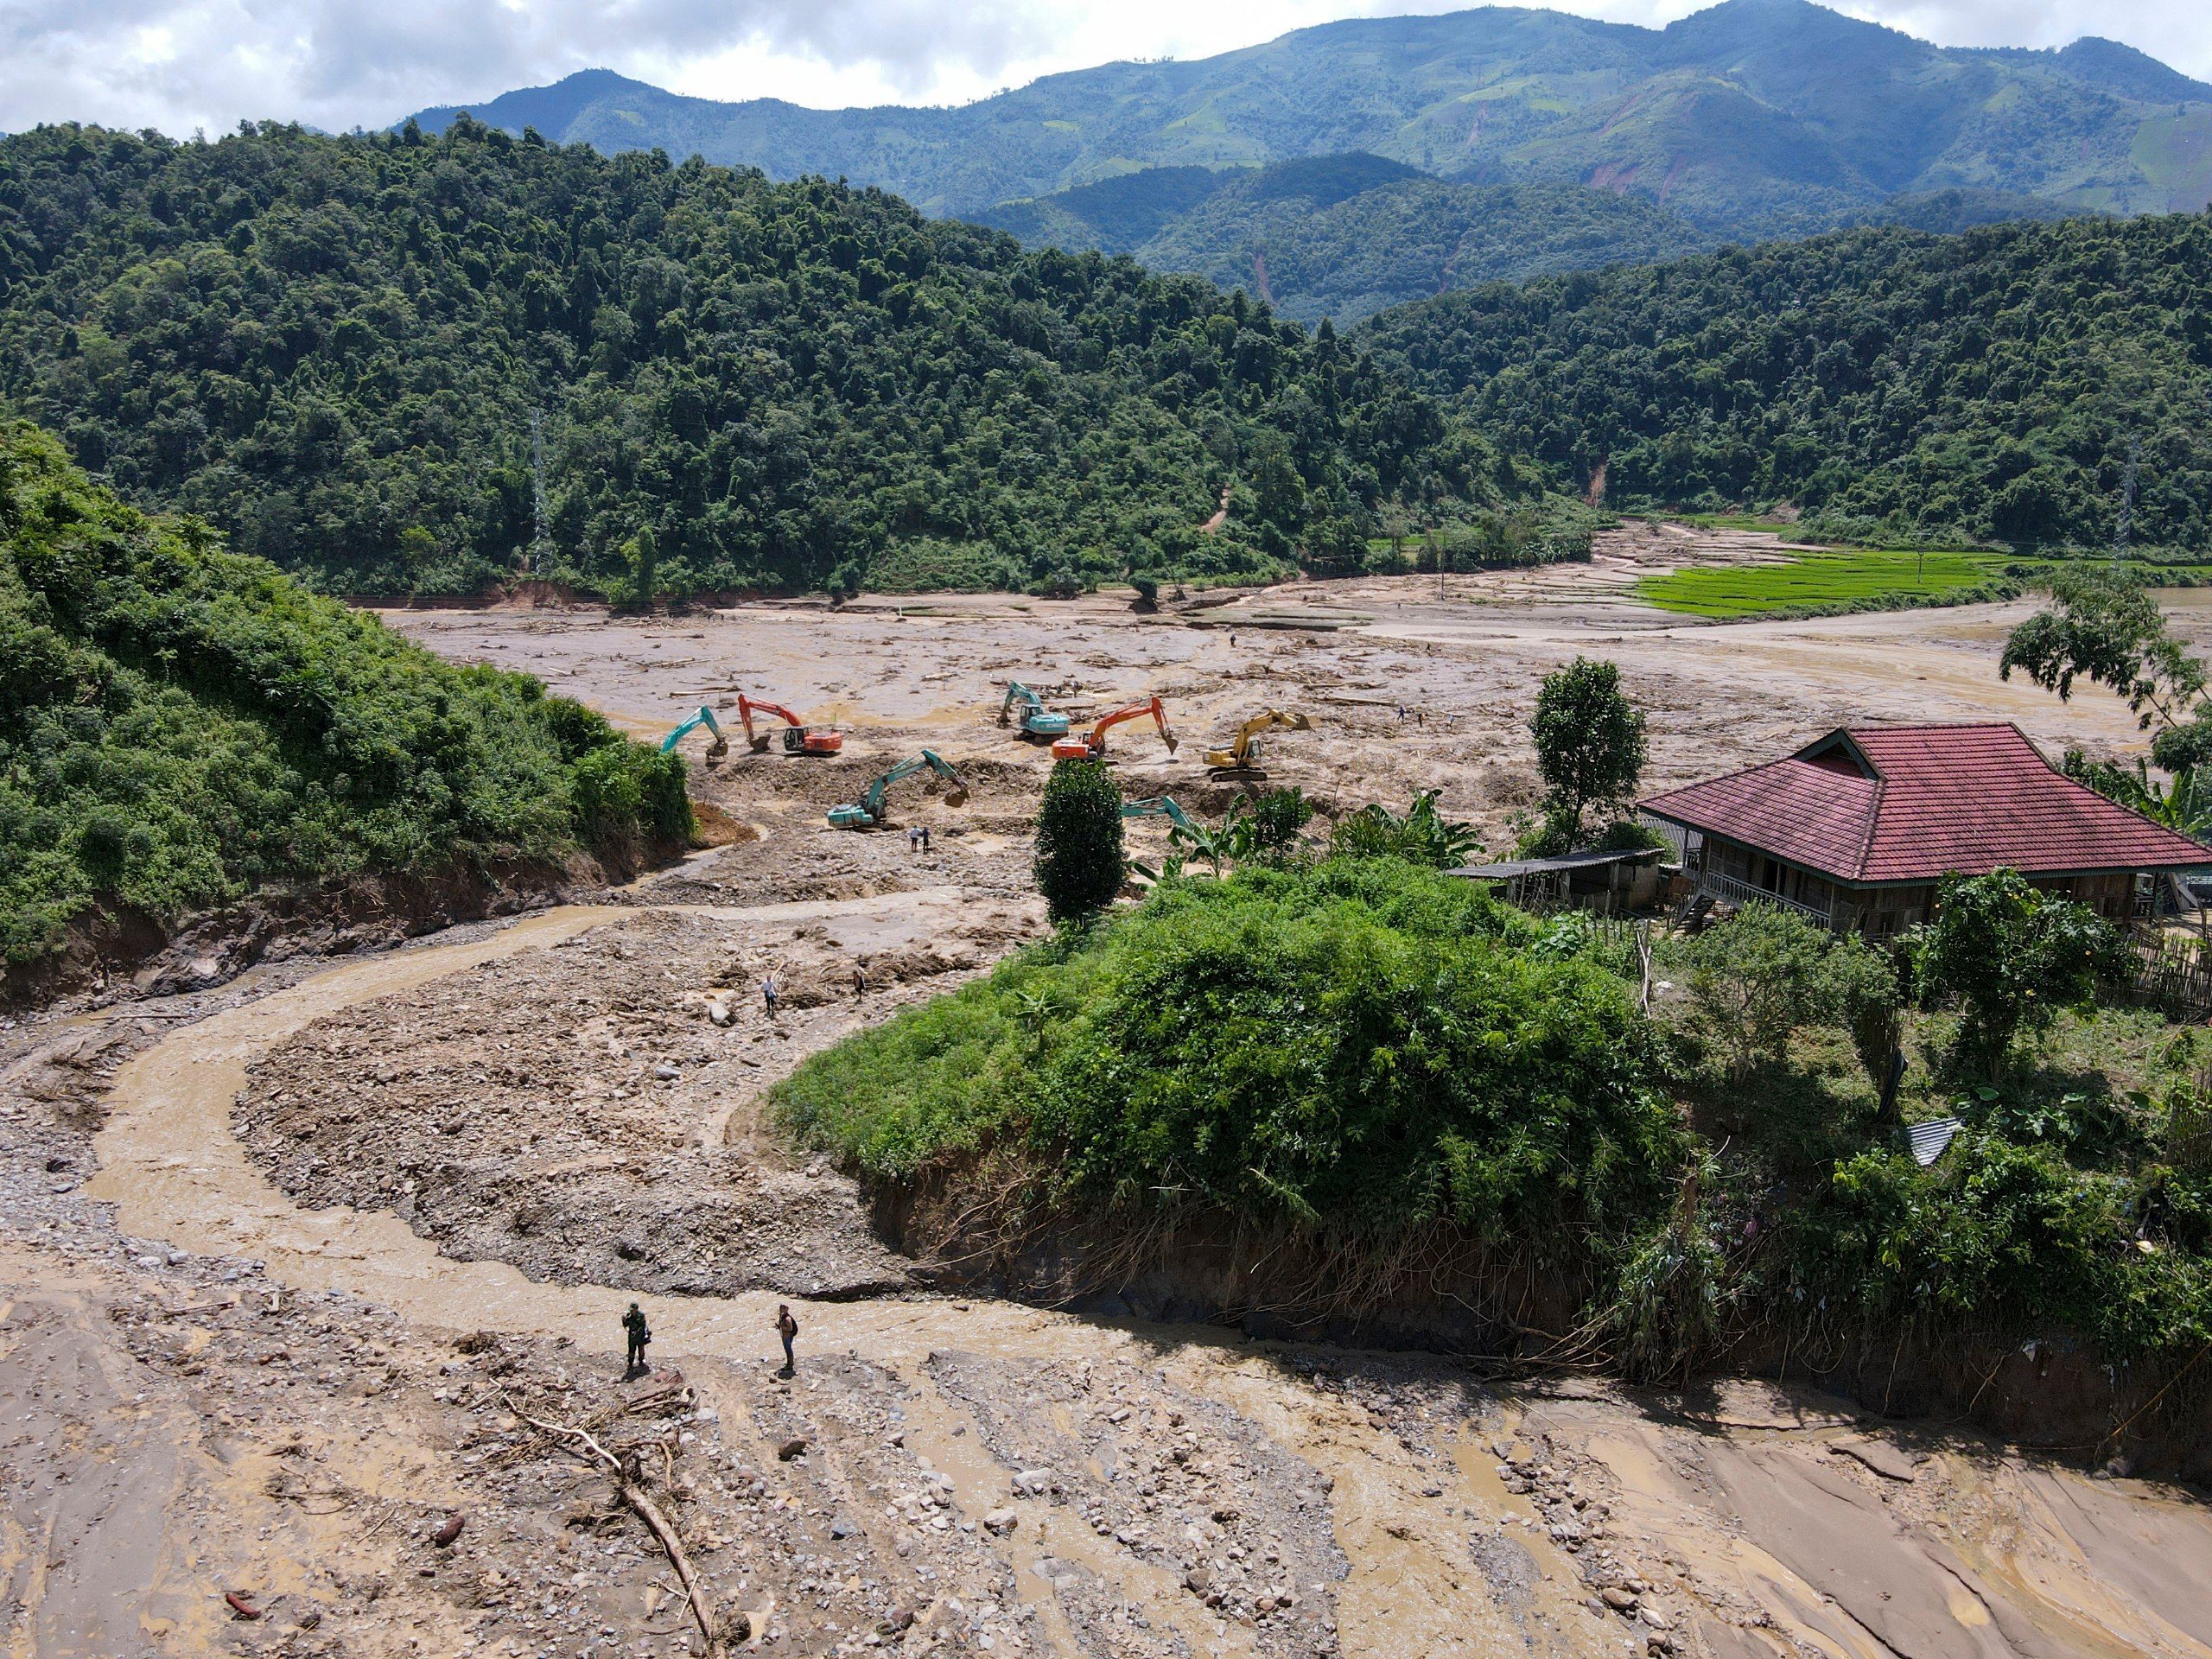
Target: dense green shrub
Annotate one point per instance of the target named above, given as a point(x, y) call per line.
point(1420, 835)
point(2005, 1233)
point(180, 725)
point(2013, 956)
point(1079, 862)
point(1364, 1044)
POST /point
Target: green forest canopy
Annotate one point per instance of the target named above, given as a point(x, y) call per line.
point(180, 725)
point(2006, 383)
point(335, 349)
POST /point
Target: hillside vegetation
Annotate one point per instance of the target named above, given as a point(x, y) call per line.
point(1753, 117)
point(335, 350)
point(180, 726)
point(1377, 1074)
point(2022, 382)
point(1344, 236)
point(1364, 1043)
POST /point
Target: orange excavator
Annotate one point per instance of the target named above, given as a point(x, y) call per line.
point(1076, 746)
point(799, 737)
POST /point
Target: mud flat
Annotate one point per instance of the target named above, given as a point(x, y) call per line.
point(1463, 658)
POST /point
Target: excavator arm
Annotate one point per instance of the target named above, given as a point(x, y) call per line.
point(705, 717)
point(1091, 747)
point(870, 808)
point(799, 737)
point(1245, 750)
point(1160, 806)
point(746, 708)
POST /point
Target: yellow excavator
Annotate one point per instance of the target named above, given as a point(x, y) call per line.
point(1241, 758)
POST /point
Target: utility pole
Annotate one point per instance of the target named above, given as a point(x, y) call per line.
point(541, 544)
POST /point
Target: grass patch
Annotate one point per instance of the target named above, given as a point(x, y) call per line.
point(1861, 579)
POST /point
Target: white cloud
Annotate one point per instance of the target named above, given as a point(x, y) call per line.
point(181, 64)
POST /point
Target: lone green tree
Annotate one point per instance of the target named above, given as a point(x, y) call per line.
point(1590, 745)
point(2105, 626)
point(2014, 958)
point(1080, 864)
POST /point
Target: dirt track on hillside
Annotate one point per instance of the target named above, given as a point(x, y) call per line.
point(267, 1309)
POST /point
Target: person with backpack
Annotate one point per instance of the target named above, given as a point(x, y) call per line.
point(787, 1328)
point(633, 1326)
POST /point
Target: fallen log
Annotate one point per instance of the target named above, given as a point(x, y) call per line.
point(632, 1487)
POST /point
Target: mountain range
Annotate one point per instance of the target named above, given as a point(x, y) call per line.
point(1751, 119)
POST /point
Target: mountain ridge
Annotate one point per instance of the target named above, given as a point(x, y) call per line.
point(1751, 116)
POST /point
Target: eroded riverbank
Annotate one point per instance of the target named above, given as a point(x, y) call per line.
point(1172, 1489)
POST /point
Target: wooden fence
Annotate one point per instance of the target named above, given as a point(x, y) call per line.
point(2173, 971)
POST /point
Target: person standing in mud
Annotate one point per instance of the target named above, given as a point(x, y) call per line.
point(787, 1328)
point(633, 1326)
point(768, 993)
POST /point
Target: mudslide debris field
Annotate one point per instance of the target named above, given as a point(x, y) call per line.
point(292, 1268)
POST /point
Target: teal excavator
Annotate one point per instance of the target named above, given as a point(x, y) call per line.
point(867, 811)
point(1160, 806)
point(1036, 721)
point(705, 717)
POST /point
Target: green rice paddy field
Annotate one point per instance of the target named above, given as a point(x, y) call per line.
point(1858, 579)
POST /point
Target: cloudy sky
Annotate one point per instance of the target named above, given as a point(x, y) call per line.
point(180, 65)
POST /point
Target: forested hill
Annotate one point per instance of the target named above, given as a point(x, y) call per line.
point(181, 727)
point(334, 350)
point(2007, 382)
point(1342, 237)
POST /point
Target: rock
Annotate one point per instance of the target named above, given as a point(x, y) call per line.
point(842, 1527)
point(1002, 1521)
point(1197, 1581)
point(1033, 1482)
point(1620, 1600)
point(666, 1072)
point(789, 1450)
point(444, 1536)
point(1224, 1514)
point(1885, 1460)
point(899, 1618)
point(1655, 1619)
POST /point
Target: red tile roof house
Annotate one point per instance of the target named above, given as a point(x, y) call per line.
point(1857, 827)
